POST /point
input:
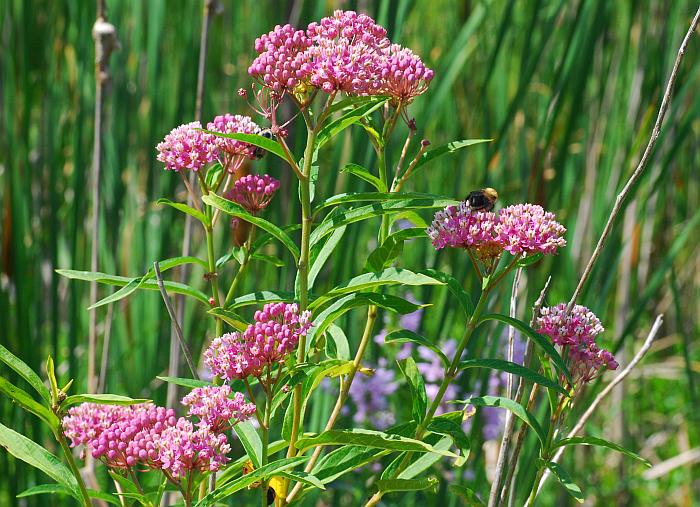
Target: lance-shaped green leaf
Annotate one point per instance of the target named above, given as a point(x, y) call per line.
point(528, 260)
point(389, 276)
point(268, 259)
point(266, 144)
point(320, 255)
point(121, 281)
point(508, 404)
point(195, 213)
point(235, 210)
point(351, 117)
point(371, 438)
point(536, 337)
point(345, 459)
point(24, 371)
point(416, 385)
point(467, 494)
point(392, 247)
point(58, 489)
point(251, 442)
point(600, 442)
point(260, 297)
point(137, 283)
point(33, 454)
point(326, 317)
point(431, 155)
point(256, 475)
point(453, 285)
point(352, 102)
point(22, 398)
point(337, 345)
point(353, 197)
point(185, 382)
point(406, 336)
point(103, 399)
point(345, 217)
point(304, 478)
point(424, 461)
point(450, 424)
point(231, 318)
point(514, 368)
point(365, 174)
point(565, 480)
point(388, 485)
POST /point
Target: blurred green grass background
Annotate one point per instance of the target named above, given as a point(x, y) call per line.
point(568, 90)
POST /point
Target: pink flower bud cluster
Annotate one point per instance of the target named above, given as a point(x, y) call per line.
point(253, 192)
point(346, 52)
point(274, 334)
point(519, 229)
point(215, 409)
point(575, 333)
point(181, 448)
point(234, 124)
point(282, 61)
point(185, 147)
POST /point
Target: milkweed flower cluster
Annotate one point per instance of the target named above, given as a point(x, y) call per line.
point(186, 147)
point(214, 407)
point(236, 150)
point(147, 436)
point(346, 52)
point(253, 192)
point(274, 334)
point(575, 333)
point(518, 229)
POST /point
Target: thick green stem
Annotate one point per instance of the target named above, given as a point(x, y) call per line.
point(218, 329)
point(73, 467)
point(242, 268)
point(265, 437)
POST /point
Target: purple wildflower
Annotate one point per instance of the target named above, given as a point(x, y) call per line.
point(186, 147)
point(215, 409)
point(529, 229)
point(253, 192)
point(283, 61)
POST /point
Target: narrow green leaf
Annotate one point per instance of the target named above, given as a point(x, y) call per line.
point(235, 210)
point(389, 276)
point(353, 197)
point(351, 117)
point(24, 371)
point(351, 102)
point(508, 404)
point(231, 318)
point(266, 144)
point(195, 213)
point(103, 399)
point(33, 454)
point(337, 346)
point(445, 149)
point(345, 459)
point(426, 460)
point(600, 442)
point(529, 260)
point(370, 438)
point(467, 495)
point(260, 297)
point(565, 480)
point(269, 259)
point(514, 368)
point(540, 340)
point(406, 336)
point(185, 382)
point(22, 398)
point(57, 489)
point(365, 174)
point(121, 281)
point(251, 442)
point(304, 478)
point(454, 287)
point(448, 426)
point(387, 485)
point(319, 256)
point(416, 385)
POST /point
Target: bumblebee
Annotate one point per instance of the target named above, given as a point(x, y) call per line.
point(259, 153)
point(482, 200)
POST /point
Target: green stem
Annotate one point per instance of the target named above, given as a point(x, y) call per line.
point(241, 270)
point(73, 467)
point(265, 437)
point(209, 231)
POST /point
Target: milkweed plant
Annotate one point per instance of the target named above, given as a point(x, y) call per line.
point(242, 429)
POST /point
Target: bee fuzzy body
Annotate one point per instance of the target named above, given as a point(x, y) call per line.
point(482, 200)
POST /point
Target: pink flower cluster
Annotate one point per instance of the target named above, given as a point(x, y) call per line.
point(185, 147)
point(253, 192)
point(215, 409)
point(152, 437)
point(273, 335)
point(182, 448)
point(519, 229)
point(346, 52)
point(234, 124)
point(575, 333)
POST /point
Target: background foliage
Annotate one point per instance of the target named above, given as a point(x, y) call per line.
point(567, 90)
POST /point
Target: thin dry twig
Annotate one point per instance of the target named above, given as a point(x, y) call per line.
point(665, 102)
point(495, 495)
point(176, 325)
point(601, 396)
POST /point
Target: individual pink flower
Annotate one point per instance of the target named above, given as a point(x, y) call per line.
point(253, 192)
point(186, 147)
point(461, 227)
point(274, 334)
point(575, 334)
point(216, 409)
point(235, 151)
point(182, 449)
point(283, 61)
point(346, 53)
point(404, 76)
point(529, 229)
